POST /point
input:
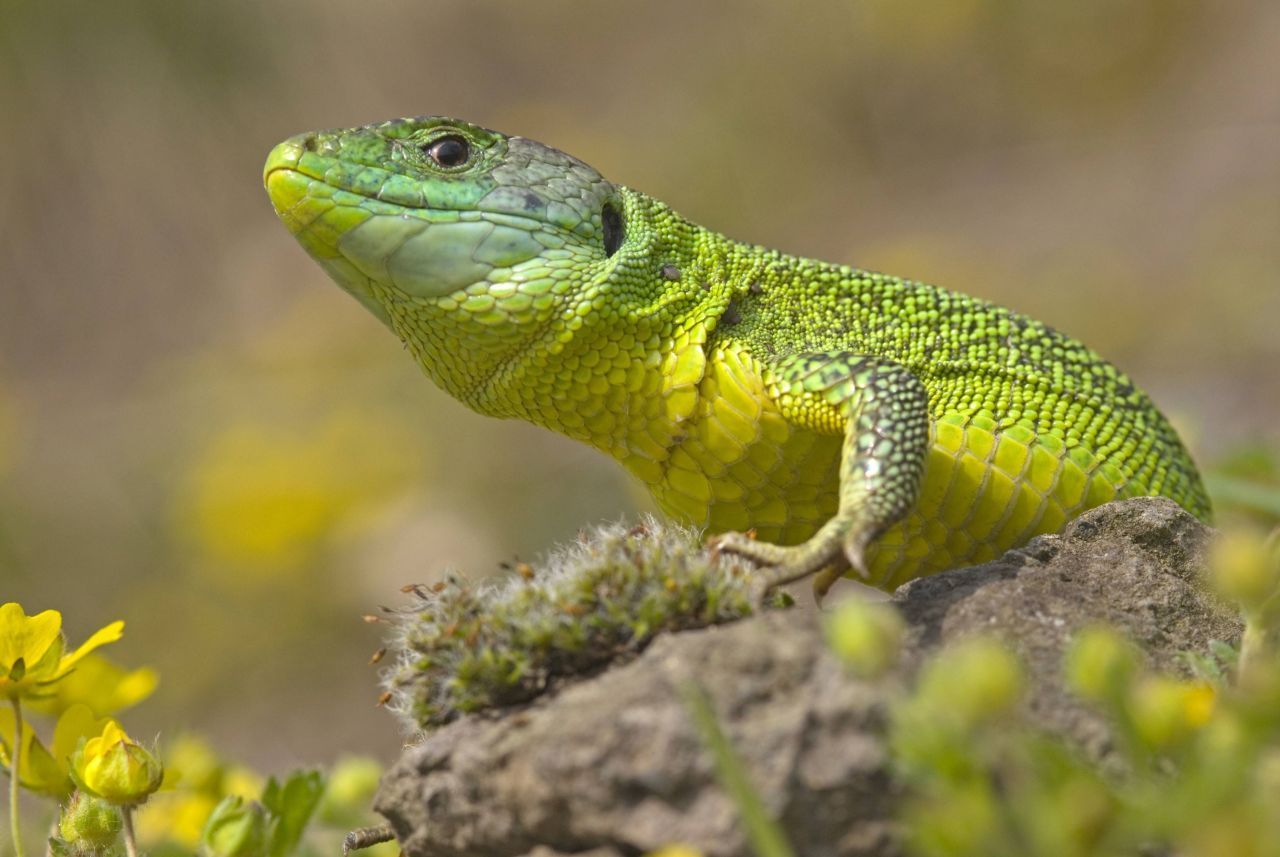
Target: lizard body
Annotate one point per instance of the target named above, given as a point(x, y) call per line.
point(847, 417)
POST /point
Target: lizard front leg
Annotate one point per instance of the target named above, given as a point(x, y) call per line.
point(882, 410)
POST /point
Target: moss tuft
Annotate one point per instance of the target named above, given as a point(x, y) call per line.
point(463, 648)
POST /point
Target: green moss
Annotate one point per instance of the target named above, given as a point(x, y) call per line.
point(464, 648)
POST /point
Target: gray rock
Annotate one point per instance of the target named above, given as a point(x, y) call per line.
point(611, 765)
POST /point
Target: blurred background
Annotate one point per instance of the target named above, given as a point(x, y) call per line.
point(200, 435)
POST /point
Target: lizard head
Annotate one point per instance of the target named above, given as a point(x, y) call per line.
point(471, 245)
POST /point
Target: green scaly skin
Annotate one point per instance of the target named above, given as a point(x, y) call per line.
point(848, 418)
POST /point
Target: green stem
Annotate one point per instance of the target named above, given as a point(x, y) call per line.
point(763, 832)
point(130, 844)
point(15, 763)
point(1253, 647)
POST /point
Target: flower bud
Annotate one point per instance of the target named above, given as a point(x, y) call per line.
point(1100, 664)
point(1165, 711)
point(116, 768)
point(866, 635)
point(352, 783)
point(1243, 569)
point(90, 821)
point(236, 828)
point(976, 681)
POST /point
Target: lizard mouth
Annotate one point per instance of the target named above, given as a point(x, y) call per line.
point(368, 226)
point(296, 160)
point(294, 164)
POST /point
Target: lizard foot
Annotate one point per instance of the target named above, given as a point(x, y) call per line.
point(834, 549)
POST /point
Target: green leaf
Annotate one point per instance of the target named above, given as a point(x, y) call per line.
point(1224, 652)
point(1249, 494)
point(1203, 667)
point(292, 805)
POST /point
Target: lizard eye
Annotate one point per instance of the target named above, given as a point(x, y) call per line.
point(611, 220)
point(449, 152)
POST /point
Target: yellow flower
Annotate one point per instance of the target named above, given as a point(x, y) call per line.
point(1100, 665)
point(976, 681)
point(116, 768)
point(175, 817)
point(866, 635)
point(32, 650)
point(350, 789)
point(243, 782)
point(263, 498)
point(104, 686)
point(1166, 711)
point(192, 765)
point(195, 780)
point(47, 770)
point(1244, 569)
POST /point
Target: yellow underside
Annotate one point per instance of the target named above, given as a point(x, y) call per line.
point(741, 465)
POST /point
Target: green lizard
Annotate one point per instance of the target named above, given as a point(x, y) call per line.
point(842, 418)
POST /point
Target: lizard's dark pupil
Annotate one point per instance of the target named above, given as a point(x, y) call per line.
point(449, 151)
point(611, 220)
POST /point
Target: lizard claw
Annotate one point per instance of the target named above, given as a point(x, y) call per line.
point(855, 550)
point(824, 580)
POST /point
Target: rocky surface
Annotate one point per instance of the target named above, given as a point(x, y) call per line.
point(612, 765)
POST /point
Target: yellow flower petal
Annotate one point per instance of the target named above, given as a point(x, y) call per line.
point(26, 637)
point(110, 735)
point(43, 772)
point(78, 721)
point(100, 684)
point(101, 637)
point(40, 771)
point(6, 734)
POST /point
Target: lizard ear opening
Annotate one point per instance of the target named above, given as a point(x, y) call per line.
point(613, 231)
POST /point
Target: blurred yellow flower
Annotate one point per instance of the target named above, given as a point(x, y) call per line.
point(191, 764)
point(977, 680)
point(267, 497)
point(351, 785)
point(1100, 664)
point(116, 768)
point(1245, 569)
point(675, 851)
point(47, 770)
point(32, 650)
point(101, 684)
point(176, 817)
point(195, 780)
point(866, 635)
point(1165, 710)
point(239, 780)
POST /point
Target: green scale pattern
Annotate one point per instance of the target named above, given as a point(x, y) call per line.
point(851, 419)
